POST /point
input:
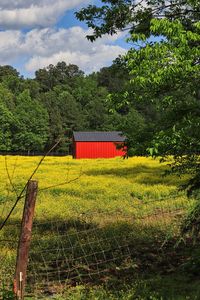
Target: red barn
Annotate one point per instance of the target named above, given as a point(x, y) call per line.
point(97, 144)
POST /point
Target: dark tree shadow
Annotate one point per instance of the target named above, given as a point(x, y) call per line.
point(70, 252)
point(140, 173)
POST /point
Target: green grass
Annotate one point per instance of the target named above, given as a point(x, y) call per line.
point(154, 288)
point(114, 233)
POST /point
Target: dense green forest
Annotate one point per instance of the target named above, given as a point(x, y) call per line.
point(35, 113)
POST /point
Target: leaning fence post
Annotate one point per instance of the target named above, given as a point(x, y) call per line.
point(25, 239)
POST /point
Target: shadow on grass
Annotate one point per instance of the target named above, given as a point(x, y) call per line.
point(140, 173)
point(10, 232)
point(121, 259)
point(67, 253)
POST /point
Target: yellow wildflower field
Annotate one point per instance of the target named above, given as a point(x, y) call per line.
point(68, 187)
point(106, 203)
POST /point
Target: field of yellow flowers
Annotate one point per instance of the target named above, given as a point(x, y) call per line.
point(67, 187)
point(130, 200)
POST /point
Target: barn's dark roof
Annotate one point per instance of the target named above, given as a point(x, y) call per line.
point(98, 136)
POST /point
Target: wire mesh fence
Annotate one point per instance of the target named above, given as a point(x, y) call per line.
point(9, 234)
point(8, 251)
point(100, 248)
point(94, 248)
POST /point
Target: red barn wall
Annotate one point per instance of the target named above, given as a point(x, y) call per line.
point(97, 150)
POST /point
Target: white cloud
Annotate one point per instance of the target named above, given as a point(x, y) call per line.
point(16, 14)
point(10, 42)
point(85, 61)
point(42, 44)
point(41, 47)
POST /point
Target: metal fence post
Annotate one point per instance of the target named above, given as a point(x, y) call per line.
point(25, 239)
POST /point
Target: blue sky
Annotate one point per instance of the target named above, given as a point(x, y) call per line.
point(36, 33)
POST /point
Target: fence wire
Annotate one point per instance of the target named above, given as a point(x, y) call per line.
point(83, 250)
point(9, 234)
point(8, 251)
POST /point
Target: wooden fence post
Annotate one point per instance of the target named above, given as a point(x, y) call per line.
point(25, 239)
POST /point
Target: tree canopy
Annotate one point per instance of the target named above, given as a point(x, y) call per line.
point(135, 16)
point(164, 73)
point(34, 113)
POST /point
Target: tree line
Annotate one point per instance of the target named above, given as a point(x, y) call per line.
point(35, 113)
